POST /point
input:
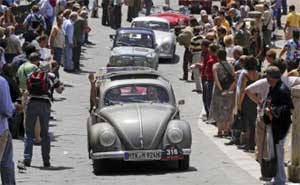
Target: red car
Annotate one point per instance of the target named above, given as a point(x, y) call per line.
point(197, 5)
point(174, 18)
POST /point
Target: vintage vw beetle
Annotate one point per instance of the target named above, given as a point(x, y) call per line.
point(134, 47)
point(137, 119)
point(165, 38)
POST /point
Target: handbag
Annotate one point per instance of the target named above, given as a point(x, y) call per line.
point(268, 166)
point(227, 81)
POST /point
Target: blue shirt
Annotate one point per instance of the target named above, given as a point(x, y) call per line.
point(68, 27)
point(7, 107)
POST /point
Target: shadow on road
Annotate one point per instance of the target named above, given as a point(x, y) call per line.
point(121, 168)
point(53, 168)
point(175, 60)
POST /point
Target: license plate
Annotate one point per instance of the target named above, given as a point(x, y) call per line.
point(144, 155)
point(172, 153)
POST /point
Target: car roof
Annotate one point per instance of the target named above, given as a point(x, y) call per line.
point(151, 18)
point(124, 73)
point(136, 30)
point(144, 81)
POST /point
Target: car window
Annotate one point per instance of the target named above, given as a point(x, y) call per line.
point(135, 39)
point(136, 94)
point(154, 25)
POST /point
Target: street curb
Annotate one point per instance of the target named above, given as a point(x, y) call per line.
point(243, 160)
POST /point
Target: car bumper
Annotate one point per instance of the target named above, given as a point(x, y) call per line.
point(121, 154)
point(166, 55)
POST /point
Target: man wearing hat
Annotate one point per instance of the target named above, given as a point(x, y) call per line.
point(277, 113)
point(79, 27)
point(68, 28)
point(195, 49)
point(39, 107)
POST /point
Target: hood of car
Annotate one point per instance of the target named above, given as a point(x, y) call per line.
point(139, 125)
point(127, 50)
point(163, 37)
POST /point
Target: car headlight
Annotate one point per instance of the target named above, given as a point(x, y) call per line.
point(107, 138)
point(175, 135)
point(113, 60)
point(166, 47)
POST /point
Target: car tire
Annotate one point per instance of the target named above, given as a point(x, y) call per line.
point(184, 164)
point(98, 166)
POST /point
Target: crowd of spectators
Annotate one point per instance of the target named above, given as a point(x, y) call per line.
point(32, 50)
point(239, 71)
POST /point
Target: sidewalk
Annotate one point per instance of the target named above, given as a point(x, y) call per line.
point(245, 161)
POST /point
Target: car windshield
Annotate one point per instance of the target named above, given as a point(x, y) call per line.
point(136, 94)
point(135, 39)
point(154, 25)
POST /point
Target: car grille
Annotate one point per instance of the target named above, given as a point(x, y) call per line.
point(134, 60)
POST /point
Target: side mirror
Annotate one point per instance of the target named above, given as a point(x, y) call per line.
point(181, 102)
point(112, 36)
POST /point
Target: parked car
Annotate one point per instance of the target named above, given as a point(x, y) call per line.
point(134, 47)
point(137, 119)
point(165, 38)
point(197, 5)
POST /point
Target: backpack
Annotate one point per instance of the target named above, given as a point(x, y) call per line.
point(36, 18)
point(37, 83)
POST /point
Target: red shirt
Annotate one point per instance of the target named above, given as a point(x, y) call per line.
point(208, 71)
point(205, 57)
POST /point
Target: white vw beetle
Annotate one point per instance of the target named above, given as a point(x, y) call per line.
point(165, 38)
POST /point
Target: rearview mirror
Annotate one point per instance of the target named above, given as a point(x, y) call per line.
point(181, 102)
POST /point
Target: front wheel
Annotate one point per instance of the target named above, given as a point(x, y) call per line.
point(184, 164)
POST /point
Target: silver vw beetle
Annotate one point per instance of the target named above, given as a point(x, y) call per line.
point(134, 47)
point(137, 119)
point(165, 38)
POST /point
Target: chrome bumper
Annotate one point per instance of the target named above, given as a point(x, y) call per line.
point(166, 55)
point(121, 154)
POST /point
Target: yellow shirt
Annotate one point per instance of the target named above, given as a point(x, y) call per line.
point(293, 19)
point(225, 24)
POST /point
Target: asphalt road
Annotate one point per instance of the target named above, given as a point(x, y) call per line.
point(209, 165)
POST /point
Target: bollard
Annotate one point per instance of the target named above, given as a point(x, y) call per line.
point(294, 167)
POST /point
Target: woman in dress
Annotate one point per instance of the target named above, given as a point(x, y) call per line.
point(223, 97)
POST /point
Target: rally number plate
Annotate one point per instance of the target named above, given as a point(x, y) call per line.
point(144, 155)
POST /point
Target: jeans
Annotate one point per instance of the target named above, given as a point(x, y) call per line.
point(7, 164)
point(207, 86)
point(280, 178)
point(35, 109)
point(57, 56)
